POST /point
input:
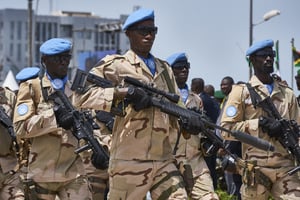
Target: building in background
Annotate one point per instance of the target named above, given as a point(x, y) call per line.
point(92, 36)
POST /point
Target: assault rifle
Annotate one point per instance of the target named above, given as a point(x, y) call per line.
point(82, 129)
point(290, 137)
point(6, 121)
point(184, 115)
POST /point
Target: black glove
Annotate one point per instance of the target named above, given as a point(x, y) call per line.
point(271, 126)
point(99, 161)
point(192, 125)
point(139, 98)
point(64, 118)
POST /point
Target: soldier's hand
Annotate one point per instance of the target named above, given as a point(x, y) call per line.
point(63, 117)
point(271, 126)
point(191, 125)
point(99, 161)
point(138, 98)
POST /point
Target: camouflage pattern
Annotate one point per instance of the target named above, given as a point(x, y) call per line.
point(52, 158)
point(10, 185)
point(273, 164)
point(141, 152)
point(189, 153)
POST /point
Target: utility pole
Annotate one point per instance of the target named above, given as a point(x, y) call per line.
point(30, 33)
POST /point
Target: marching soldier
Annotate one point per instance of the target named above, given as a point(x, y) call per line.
point(189, 155)
point(266, 172)
point(141, 157)
point(54, 170)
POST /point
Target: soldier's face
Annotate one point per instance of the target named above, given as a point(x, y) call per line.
point(263, 61)
point(57, 65)
point(181, 74)
point(142, 36)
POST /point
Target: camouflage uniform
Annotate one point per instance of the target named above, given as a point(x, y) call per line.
point(53, 166)
point(10, 187)
point(240, 114)
point(141, 154)
point(189, 153)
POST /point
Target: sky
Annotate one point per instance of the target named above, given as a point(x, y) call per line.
point(213, 33)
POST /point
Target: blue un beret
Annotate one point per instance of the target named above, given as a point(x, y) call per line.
point(27, 73)
point(177, 57)
point(258, 46)
point(55, 46)
point(137, 16)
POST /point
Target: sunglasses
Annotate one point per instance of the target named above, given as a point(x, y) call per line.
point(145, 30)
point(265, 54)
point(181, 66)
point(60, 58)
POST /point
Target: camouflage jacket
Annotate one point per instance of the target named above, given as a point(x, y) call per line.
point(142, 135)
point(240, 114)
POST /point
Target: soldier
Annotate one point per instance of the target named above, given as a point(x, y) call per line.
point(268, 172)
point(54, 170)
point(11, 187)
point(200, 184)
point(141, 157)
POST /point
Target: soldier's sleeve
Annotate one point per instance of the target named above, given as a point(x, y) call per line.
point(233, 117)
point(28, 122)
point(95, 97)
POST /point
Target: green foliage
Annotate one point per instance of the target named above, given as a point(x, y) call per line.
point(224, 196)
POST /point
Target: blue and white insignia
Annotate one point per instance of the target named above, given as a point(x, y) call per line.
point(22, 109)
point(57, 84)
point(231, 111)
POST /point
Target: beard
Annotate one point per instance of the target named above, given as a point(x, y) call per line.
point(268, 69)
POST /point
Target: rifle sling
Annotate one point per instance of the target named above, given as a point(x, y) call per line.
point(255, 98)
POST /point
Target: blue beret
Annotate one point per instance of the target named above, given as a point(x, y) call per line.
point(137, 16)
point(55, 46)
point(177, 57)
point(27, 73)
point(258, 46)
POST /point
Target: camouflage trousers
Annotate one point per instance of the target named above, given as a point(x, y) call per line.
point(77, 189)
point(11, 187)
point(131, 180)
point(98, 181)
point(202, 188)
point(284, 186)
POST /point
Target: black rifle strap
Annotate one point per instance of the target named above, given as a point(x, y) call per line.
point(255, 98)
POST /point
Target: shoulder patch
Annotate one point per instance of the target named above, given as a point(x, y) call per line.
point(22, 109)
point(231, 111)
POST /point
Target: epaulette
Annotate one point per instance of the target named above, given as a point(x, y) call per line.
point(108, 59)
